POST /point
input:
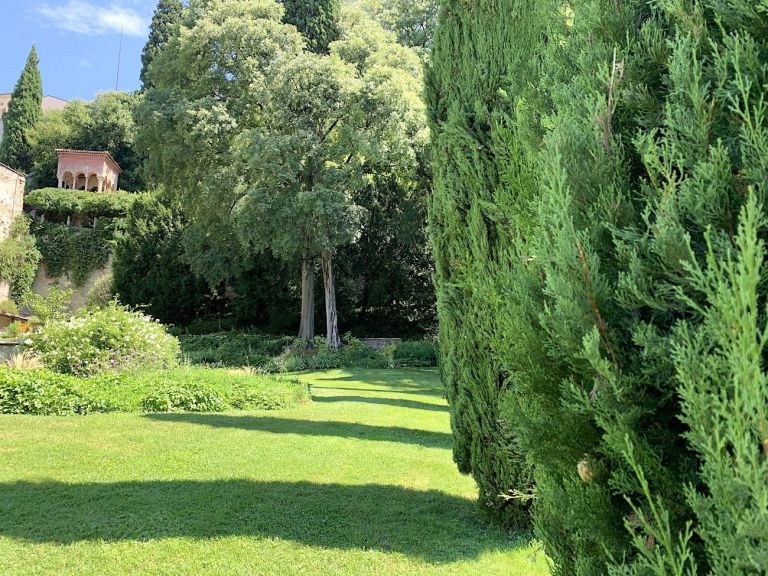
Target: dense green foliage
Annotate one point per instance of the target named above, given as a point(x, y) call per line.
point(106, 124)
point(317, 20)
point(112, 338)
point(19, 258)
point(73, 251)
point(285, 354)
point(165, 21)
point(610, 273)
point(77, 251)
point(481, 179)
point(232, 348)
point(385, 278)
point(210, 390)
point(22, 116)
point(60, 202)
point(43, 393)
point(326, 126)
point(53, 306)
point(413, 21)
point(149, 266)
point(187, 389)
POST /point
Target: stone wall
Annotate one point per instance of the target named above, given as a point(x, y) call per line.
point(80, 294)
point(11, 203)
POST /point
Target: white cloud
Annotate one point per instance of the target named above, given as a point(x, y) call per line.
point(85, 18)
point(85, 64)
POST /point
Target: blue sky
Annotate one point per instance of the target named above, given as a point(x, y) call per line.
point(77, 42)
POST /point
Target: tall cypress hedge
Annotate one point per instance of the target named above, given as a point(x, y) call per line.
point(481, 92)
point(602, 305)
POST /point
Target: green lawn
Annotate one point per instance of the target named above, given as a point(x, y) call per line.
point(359, 482)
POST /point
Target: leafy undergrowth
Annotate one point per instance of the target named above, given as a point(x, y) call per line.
point(280, 354)
point(182, 389)
point(360, 482)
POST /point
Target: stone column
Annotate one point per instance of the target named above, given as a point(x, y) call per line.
point(61, 181)
point(101, 183)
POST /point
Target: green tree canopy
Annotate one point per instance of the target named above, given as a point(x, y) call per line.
point(22, 116)
point(268, 143)
point(413, 21)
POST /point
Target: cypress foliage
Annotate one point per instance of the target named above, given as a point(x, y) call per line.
point(627, 319)
point(23, 113)
point(165, 19)
point(317, 20)
point(481, 90)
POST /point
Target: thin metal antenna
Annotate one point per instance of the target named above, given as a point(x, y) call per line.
point(119, 57)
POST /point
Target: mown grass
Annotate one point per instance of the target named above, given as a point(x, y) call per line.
point(360, 482)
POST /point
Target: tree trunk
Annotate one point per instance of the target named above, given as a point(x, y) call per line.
point(307, 327)
point(331, 316)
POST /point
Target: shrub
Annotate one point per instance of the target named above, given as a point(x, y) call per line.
point(271, 393)
point(233, 348)
point(9, 307)
point(68, 202)
point(109, 338)
point(54, 306)
point(102, 293)
point(188, 397)
point(412, 354)
point(19, 257)
point(42, 392)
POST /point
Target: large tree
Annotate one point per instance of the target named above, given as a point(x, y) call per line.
point(22, 116)
point(268, 143)
point(165, 21)
point(414, 21)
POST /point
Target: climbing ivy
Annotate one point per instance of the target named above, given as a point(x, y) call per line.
point(73, 250)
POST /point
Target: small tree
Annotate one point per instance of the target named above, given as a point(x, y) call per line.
point(165, 21)
point(22, 116)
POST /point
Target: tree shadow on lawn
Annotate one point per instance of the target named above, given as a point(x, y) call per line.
point(429, 525)
point(426, 438)
point(400, 402)
point(390, 380)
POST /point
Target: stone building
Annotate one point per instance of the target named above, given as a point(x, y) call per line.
point(49, 103)
point(87, 170)
point(11, 204)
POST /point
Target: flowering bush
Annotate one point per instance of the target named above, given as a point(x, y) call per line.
point(109, 338)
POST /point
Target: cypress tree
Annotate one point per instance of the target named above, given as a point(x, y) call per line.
point(630, 328)
point(165, 20)
point(23, 113)
point(317, 20)
point(482, 94)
